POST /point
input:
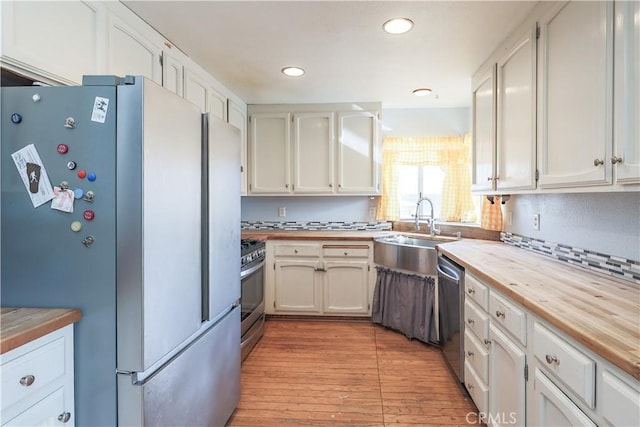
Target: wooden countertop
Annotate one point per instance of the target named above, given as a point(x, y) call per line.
point(19, 326)
point(315, 234)
point(599, 311)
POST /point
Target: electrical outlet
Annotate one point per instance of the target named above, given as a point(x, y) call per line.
point(282, 212)
point(372, 212)
point(536, 222)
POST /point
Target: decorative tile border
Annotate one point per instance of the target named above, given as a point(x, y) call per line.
point(315, 225)
point(609, 264)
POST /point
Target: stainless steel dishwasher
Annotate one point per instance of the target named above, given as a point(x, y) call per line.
point(451, 303)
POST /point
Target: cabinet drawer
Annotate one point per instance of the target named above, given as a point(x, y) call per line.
point(509, 316)
point(478, 391)
point(566, 362)
point(477, 355)
point(38, 368)
point(345, 251)
point(477, 291)
point(50, 411)
point(476, 320)
point(620, 401)
point(297, 250)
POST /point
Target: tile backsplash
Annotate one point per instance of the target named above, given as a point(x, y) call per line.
point(609, 264)
point(315, 225)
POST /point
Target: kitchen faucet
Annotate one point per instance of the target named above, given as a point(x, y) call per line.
point(431, 221)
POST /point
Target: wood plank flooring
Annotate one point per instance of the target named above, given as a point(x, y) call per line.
point(319, 373)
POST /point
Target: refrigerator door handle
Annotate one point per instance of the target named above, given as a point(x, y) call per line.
point(204, 242)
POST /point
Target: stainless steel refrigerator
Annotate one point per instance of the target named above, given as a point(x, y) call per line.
point(121, 199)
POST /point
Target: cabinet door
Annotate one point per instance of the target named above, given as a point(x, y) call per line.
point(358, 153)
point(172, 73)
point(217, 105)
point(269, 153)
point(196, 89)
point(575, 105)
point(483, 98)
point(237, 115)
point(130, 52)
point(296, 286)
point(627, 93)
point(516, 115)
point(313, 142)
point(552, 407)
point(345, 287)
point(56, 39)
point(46, 412)
point(506, 380)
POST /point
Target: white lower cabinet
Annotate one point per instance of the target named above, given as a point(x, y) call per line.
point(620, 400)
point(552, 407)
point(37, 382)
point(319, 278)
point(507, 384)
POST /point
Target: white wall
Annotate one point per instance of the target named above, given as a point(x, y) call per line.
point(426, 122)
point(608, 223)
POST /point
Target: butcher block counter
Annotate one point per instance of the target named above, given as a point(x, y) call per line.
point(18, 326)
point(599, 311)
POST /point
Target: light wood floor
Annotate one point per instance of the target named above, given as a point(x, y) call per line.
point(315, 373)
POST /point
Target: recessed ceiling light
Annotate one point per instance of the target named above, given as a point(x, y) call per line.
point(397, 25)
point(292, 71)
point(422, 92)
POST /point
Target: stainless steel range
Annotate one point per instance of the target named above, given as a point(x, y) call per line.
point(252, 294)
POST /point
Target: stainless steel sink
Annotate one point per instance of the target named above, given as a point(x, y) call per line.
point(407, 253)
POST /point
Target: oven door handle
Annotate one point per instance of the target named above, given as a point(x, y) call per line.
point(252, 270)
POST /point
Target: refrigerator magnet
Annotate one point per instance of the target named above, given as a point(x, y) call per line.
point(33, 174)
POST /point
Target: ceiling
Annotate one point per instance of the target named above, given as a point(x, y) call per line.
point(341, 45)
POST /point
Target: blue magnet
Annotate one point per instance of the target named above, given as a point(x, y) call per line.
point(16, 118)
point(91, 176)
point(78, 193)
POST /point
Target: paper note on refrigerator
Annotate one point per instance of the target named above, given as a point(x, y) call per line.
point(33, 174)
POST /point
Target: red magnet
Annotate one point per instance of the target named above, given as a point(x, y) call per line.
point(63, 148)
point(88, 215)
point(82, 173)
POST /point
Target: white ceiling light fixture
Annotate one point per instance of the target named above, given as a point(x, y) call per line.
point(293, 71)
point(397, 25)
point(422, 92)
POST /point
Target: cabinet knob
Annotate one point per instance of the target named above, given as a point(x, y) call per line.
point(471, 291)
point(552, 360)
point(598, 162)
point(470, 321)
point(470, 353)
point(500, 314)
point(295, 251)
point(339, 185)
point(486, 341)
point(615, 160)
point(64, 417)
point(330, 185)
point(469, 386)
point(346, 253)
point(489, 178)
point(27, 380)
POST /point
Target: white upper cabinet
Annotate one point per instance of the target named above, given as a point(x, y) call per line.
point(172, 73)
point(575, 98)
point(358, 152)
point(313, 151)
point(133, 48)
point(55, 40)
point(270, 153)
point(217, 106)
point(516, 114)
point(237, 115)
point(196, 89)
point(626, 153)
point(483, 97)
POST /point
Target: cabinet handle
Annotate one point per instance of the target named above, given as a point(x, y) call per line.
point(469, 386)
point(470, 353)
point(339, 185)
point(295, 251)
point(486, 341)
point(615, 160)
point(27, 380)
point(470, 321)
point(500, 314)
point(489, 178)
point(64, 417)
point(346, 253)
point(471, 291)
point(598, 162)
point(286, 186)
point(552, 360)
point(319, 269)
point(330, 185)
